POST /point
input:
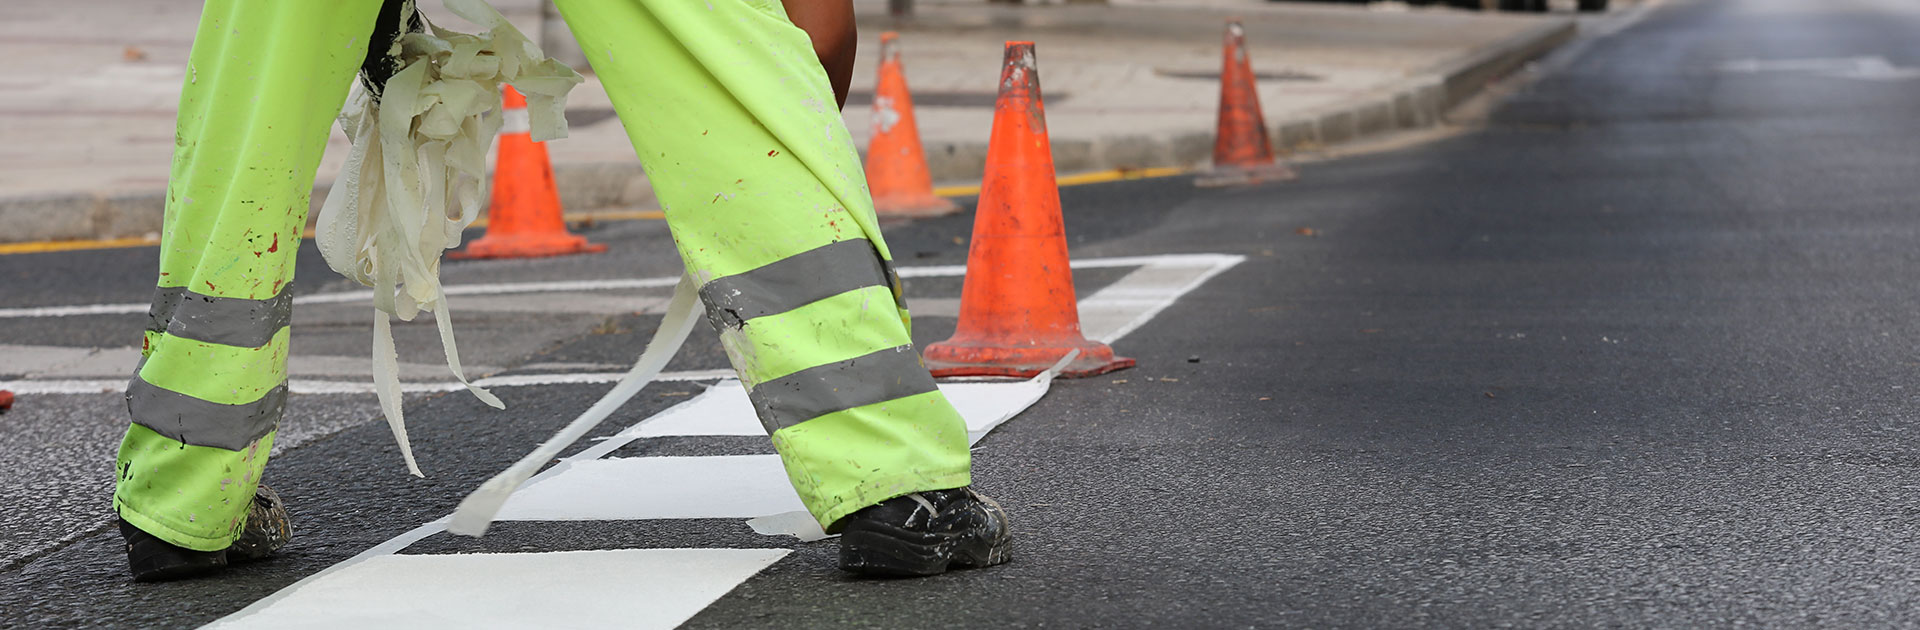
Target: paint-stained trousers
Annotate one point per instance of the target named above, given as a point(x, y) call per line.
point(733, 119)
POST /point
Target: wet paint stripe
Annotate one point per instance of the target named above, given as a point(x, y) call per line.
point(793, 282)
point(237, 322)
point(315, 386)
point(336, 577)
point(572, 589)
point(201, 423)
point(889, 374)
point(509, 288)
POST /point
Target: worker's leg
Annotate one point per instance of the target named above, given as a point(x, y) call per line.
point(264, 82)
point(733, 118)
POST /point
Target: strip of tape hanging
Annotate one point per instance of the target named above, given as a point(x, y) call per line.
point(476, 512)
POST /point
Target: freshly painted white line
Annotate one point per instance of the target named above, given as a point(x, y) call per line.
point(66, 311)
point(1189, 260)
point(558, 303)
point(505, 288)
point(569, 589)
point(1107, 315)
point(80, 364)
point(717, 487)
point(639, 488)
point(586, 285)
point(367, 296)
point(390, 547)
point(1126, 305)
point(534, 380)
point(315, 386)
point(1155, 287)
point(725, 410)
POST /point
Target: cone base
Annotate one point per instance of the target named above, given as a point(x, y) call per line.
point(528, 246)
point(1244, 175)
point(914, 207)
point(950, 359)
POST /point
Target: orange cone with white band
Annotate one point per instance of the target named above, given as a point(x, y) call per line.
point(1018, 313)
point(896, 165)
point(524, 219)
point(1242, 152)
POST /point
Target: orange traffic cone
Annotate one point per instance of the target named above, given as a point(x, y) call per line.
point(1242, 153)
point(524, 219)
point(1018, 314)
point(896, 165)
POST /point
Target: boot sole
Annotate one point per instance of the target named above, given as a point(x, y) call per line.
point(176, 572)
point(878, 550)
point(160, 565)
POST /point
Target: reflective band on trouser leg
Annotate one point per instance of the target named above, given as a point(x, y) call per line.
point(246, 323)
point(263, 85)
point(730, 112)
point(886, 375)
point(796, 281)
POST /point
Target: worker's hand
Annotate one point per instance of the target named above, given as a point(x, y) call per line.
point(829, 23)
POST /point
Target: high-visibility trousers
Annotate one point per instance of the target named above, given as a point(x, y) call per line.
point(735, 123)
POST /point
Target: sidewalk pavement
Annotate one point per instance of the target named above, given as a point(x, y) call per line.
point(88, 110)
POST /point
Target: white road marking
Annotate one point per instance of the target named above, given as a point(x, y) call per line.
point(1866, 68)
point(377, 580)
point(625, 588)
point(66, 363)
point(315, 386)
point(646, 488)
point(724, 410)
point(720, 486)
point(1129, 303)
point(582, 285)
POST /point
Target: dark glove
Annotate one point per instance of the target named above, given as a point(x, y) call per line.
point(379, 66)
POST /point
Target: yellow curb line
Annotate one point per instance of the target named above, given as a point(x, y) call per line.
point(1079, 179)
point(38, 247)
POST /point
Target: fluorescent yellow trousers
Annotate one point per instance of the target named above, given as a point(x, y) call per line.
point(733, 119)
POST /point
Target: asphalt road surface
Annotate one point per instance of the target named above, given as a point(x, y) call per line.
point(1639, 353)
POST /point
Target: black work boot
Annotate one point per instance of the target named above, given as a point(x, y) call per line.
point(925, 533)
point(153, 560)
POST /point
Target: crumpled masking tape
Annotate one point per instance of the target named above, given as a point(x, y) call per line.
point(417, 174)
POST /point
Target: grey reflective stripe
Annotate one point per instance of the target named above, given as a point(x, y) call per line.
point(166, 300)
point(793, 282)
point(893, 282)
point(201, 423)
point(886, 375)
point(237, 322)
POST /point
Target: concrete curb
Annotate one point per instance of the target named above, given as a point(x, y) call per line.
point(1414, 103)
